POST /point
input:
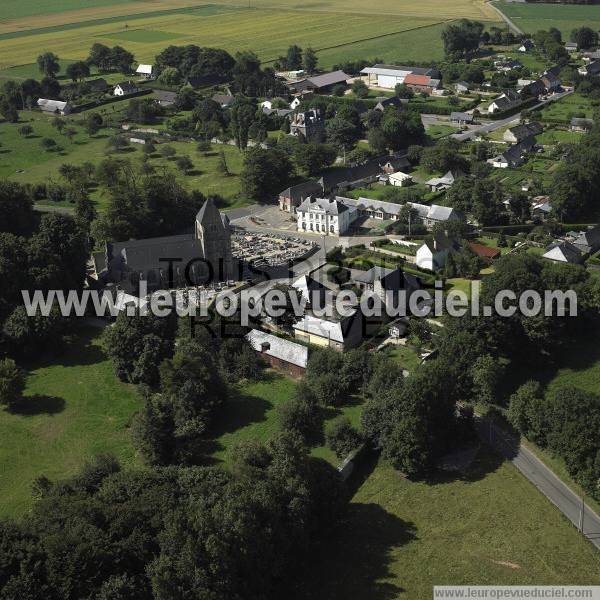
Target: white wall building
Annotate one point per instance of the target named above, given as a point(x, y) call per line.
point(400, 179)
point(145, 71)
point(325, 216)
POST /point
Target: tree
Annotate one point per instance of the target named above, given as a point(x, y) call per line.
point(461, 39)
point(48, 144)
point(265, 172)
point(486, 373)
point(12, 382)
point(78, 70)
point(25, 130)
point(341, 436)
point(293, 60)
point(309, 60)
point(403, 91)
point(184, 164)
point(222, 167)
point(406, 447)
point(48, 64)
point(243, 114)
point(360, 89)
point(527, 410)
point(584, 37)
point(167, 151)
point(121, 60)
point(300, 413)
point(93, 122)
point(313, 158)
point(342, 134)
point(170, 76)
point(99, 56)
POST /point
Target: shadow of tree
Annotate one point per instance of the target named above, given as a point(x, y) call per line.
point(239, 411)
point(37, 404)
point(355, 561)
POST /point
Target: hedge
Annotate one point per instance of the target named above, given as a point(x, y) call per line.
point(98, 104)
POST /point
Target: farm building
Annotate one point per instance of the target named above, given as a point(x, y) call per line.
point(462, 87)
point(580, 124)
point(388, 76)
point(283, 355)
point(437, 184)
point(145, 71)
point(319, 83)
point(223, 100)
point(164, 98)
point(337, 333)
point(54, 106)
point(421, 83)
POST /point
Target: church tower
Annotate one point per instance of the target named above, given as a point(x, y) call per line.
point(214, 235)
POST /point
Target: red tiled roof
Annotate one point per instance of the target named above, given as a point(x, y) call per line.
point(484, 251)
point(413, 79)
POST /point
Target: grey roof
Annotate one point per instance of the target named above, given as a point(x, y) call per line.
point(383, 103)
point(589, 240)
point(550, 80)
point(593, 68)
point(210, 214)
point(334, 177)
point(461, 116)
point(301, 190)
point(165, 97)
point(594, 54)
point(570, 252)
point(439, 213)
point(580, 122)
point(390, 208)
point(525, 130)
point(127, 86)
point(277, 347)
point(51, 105)
point(223, 99)
point(306, 285)
point(320, 81)
point(334, 330)
point(463, 84)
point(447, 179)
point(329, 206)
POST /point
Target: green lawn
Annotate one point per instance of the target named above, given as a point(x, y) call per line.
point(490, 527)
point(23, 160)
point(407, 357)
point(251, 413)
point(564, 109)
point(74, 407)
point(559, 136)
point(438, 131)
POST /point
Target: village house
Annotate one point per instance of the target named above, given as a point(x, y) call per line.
point(432, 255)
point(338, 333)
point(292, 197)
point(504, 66)
point(56, 107)
point(506, 101)
point(283, 355)
point(164, 98)
point(588, 241)
point(591, 55)
point(308, 126)
point(325, 216)
point(514, 156)
point(125, 88)
point(145, 71)
point(551, 82)
point(223, 100)
point(564, 252)
point(322, 84)
point(520, 132)
point(392, 101)
point(526, 46)
point(437, 184)
point(590, 69)
point(571, 46)
point(462, 87)
point(310, 289)
point(540, 207)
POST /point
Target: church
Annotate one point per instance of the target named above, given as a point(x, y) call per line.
point(203, 256)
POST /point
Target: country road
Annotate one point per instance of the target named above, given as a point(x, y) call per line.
point(506, 19)
point(565, 499)
point(493, 125)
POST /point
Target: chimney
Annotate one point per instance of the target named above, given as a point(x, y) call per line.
point(265, 346)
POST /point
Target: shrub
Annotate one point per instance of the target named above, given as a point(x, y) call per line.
point(341, 437)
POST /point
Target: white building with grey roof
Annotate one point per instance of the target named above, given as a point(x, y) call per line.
point(327, 216)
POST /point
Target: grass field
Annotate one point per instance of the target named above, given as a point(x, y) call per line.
point(74, 408)
point(251, 413)
point(406, 30)
point(533, 17)
point(491, 527)
point(23, 160)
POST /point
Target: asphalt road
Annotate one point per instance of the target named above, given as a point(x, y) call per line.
point(542, 478)
point(493, 125)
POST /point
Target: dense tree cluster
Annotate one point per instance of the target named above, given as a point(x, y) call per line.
point(110, 59)
point(461, 39)
point(162, 533)
point(550, 44)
